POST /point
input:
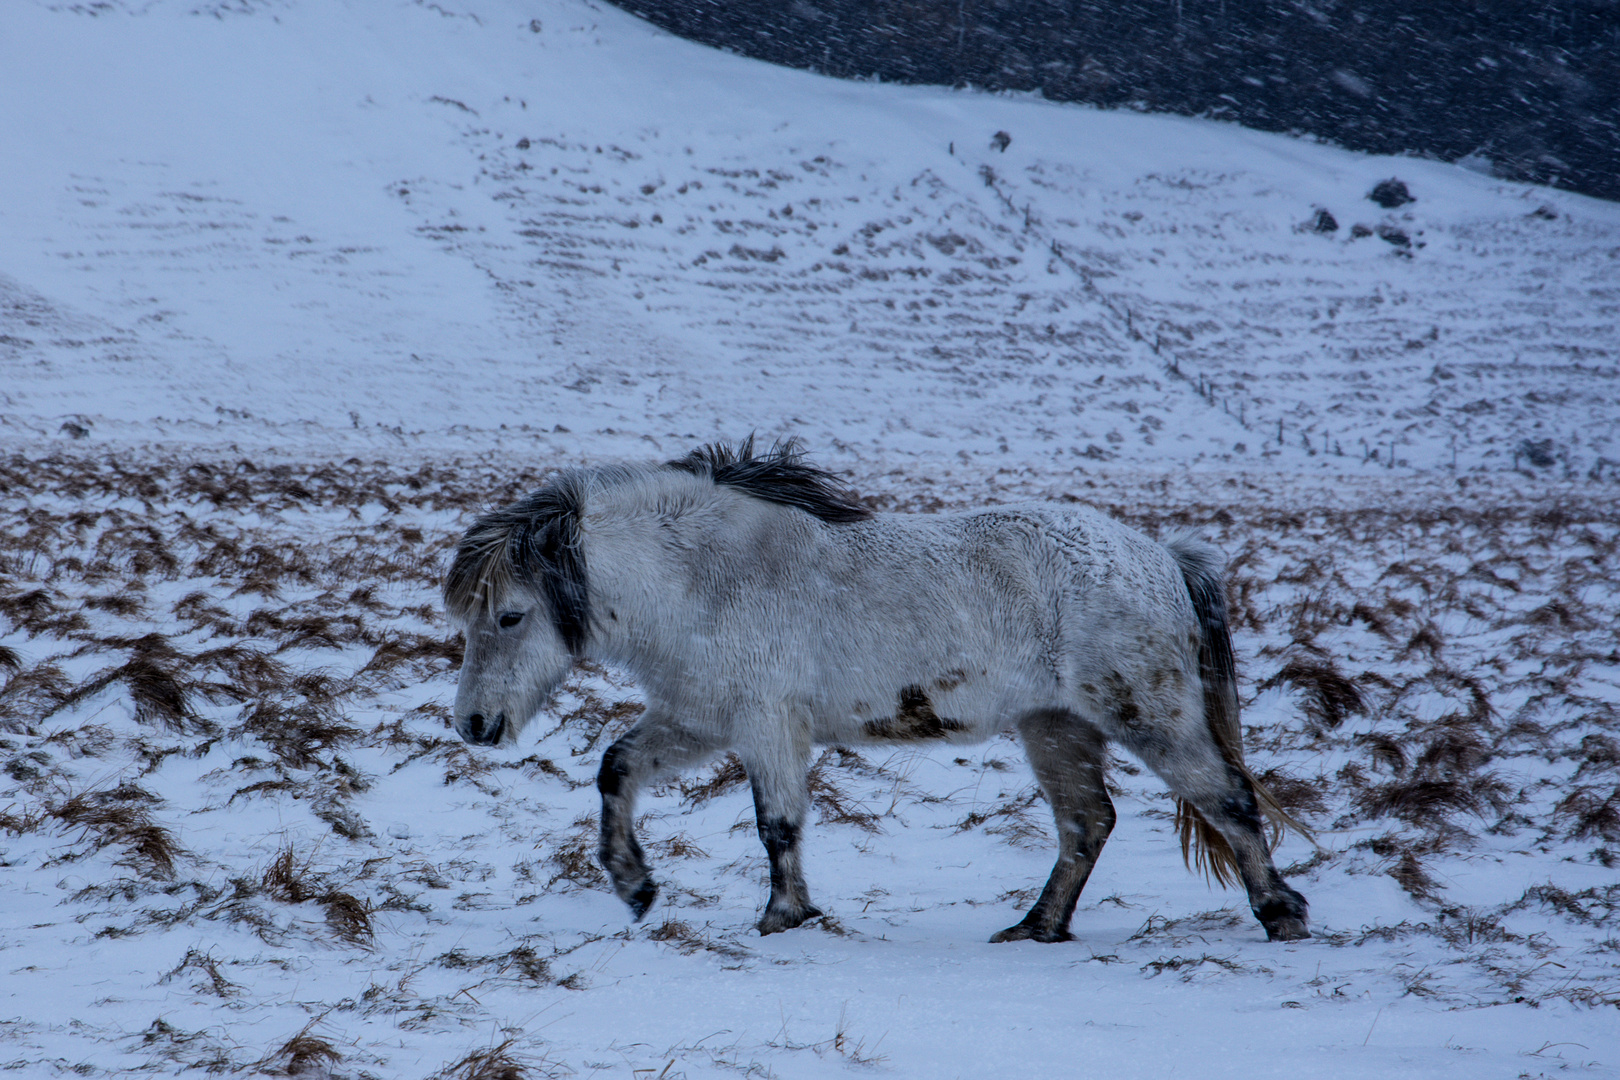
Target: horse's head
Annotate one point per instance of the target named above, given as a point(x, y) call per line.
point(517, 587)
point(514, 659)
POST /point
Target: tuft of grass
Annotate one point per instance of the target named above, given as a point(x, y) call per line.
point(575, 857)
point(687, 940)
point(204, 964)
point(495, 1063)
point(1410, 875)
point(1329, 696)
point(152, 677)
point(727, 776)
point(527, 963)
point(292, 881)
point(30, 696)
point(836, 805)
point(1421, 801)
point(1189, 965)
point(302, 1055)
point(299, 734)
point(21, 822)
point(118, 816)
point(1593, 811)
point(348, 917)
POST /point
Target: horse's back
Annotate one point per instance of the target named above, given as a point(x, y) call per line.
point(1059, 592)
point(1121, 620)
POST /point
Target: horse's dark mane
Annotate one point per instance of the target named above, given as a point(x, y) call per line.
point(779, 475)
point(535, 540)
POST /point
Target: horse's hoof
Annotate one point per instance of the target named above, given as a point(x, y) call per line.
point(642, 898)
point(1288, 928)
point(1284, 917)
point(1021, 932)
point(775, 920)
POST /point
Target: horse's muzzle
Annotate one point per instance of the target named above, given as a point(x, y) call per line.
point(482, 731)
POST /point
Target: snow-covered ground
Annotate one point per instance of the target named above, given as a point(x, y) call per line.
point(288, 290)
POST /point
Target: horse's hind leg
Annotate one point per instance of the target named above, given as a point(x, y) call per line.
point(1223, 796)
point(653, 747)
point(1067, 755)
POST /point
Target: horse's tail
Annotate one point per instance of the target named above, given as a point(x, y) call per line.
point(1202, 845)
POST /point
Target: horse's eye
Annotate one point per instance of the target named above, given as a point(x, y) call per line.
point(511, 619)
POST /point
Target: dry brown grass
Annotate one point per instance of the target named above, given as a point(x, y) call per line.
point(120, 816)
point(292, 880)
point(498, 1062)
point(304, 1054)
point(726, 776)
point(1445, 653)
point(210, 980)
point(574, 856)
point(1329, 696)
point(835, 803)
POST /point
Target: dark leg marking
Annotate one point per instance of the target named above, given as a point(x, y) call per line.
point(1280, 909)
point(789, 904)
point(656, 745)
point(1048, 920)
point(619, 850)
point(615, 767)
point(1241, 807)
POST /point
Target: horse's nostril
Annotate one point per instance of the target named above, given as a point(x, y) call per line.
point(483, 730)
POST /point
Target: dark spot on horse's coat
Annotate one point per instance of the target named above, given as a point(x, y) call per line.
point(1121, 699)
point(950, 680)
point(915, 719)
point(914, 703)
point(1138, 731)
point(1088, 688)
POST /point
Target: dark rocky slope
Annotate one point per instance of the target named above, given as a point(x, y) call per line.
point(1529, 89)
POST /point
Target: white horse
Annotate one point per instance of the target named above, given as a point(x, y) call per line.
point(761, 608)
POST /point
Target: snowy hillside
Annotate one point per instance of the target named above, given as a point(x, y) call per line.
point(274, 221)
point(289, 290)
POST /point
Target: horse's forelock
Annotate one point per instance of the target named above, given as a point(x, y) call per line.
point(482, 574)
point(534, 542)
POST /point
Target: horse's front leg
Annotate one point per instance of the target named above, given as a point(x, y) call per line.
point(654, 747)
point(778, 765)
